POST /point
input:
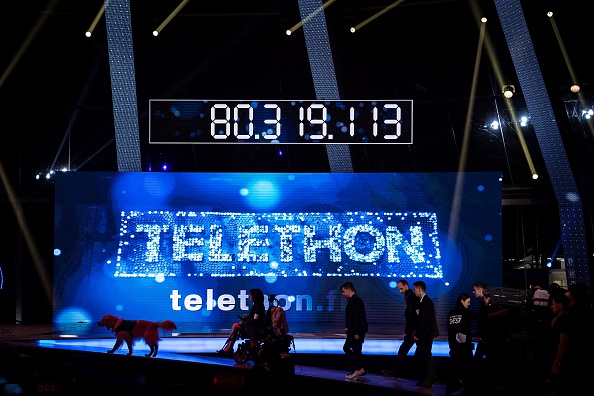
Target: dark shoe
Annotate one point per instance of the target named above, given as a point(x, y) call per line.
point(424, 384)
point(389, 373)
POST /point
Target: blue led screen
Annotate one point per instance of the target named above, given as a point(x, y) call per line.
point(189, 246)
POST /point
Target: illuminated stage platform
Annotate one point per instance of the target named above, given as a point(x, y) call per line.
point(188, 365)
point(189, 345)
point(183, 366)
point(92, 336)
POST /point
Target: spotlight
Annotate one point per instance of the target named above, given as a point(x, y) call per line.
point(89, 31)
point(575, 88)
point(508, 91)
point(170, 17)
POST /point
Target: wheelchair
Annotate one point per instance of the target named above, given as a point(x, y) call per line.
point(261, 344)
point(251, 345)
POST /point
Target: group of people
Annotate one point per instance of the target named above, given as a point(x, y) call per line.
point(420, 328)
point(484, 366)
point(267, 332)
point(568, 317)
point(564, 336)
point(569, 310)
point(257, 322)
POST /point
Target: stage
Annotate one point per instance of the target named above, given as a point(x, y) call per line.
point(40, 360)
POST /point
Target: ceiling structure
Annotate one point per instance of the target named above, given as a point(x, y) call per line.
point(57, 112)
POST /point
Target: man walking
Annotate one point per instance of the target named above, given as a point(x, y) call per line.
point(425, 331)
point(355, 329)
point(410, 316)
point(477, 290)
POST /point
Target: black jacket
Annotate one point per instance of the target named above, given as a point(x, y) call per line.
point(426, 326)
point(410, 311)
point(356, 318)
point(460, 322)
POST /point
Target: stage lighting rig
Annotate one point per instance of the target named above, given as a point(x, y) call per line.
point(508, 91)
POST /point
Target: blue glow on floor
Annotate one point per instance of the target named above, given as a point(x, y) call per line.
point(210, 345)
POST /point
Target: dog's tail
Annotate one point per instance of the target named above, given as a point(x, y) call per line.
point(167, 325)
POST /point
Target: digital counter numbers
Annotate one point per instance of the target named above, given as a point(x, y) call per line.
point(280, 121)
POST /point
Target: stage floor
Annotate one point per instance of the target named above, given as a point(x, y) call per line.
point(87, 369)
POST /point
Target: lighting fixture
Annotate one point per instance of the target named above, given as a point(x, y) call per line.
point(170, 17)
point(508, 91)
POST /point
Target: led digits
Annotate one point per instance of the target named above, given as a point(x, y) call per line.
point(215, 121)
point(250, 119)
point(352, 118)
point(281, 121)
point(389, 121)
point(314, 121)
point(396, 121)
point(275, 122)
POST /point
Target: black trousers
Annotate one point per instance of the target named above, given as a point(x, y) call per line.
point(424, 360)
point(354, 351)
point(460, 369)
point(407, 344)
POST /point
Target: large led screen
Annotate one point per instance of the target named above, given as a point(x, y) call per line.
point(189, 246)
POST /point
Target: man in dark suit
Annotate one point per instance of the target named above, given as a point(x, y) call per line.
point(410, 317)
point(355, 329)
point(425, 331)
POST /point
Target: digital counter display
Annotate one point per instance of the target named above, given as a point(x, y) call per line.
point(280, 121)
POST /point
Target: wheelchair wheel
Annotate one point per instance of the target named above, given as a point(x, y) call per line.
point(240, 356)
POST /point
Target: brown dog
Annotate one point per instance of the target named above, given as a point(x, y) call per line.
point(134, 330)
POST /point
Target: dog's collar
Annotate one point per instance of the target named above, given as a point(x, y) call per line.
point(117, 324)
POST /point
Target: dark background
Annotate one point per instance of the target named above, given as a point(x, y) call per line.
point(56, 106)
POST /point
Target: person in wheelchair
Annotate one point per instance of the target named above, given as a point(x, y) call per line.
point(276, 319)
point(272, 359)
point(270, 345)
point(277, 341)
point(252, 326)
